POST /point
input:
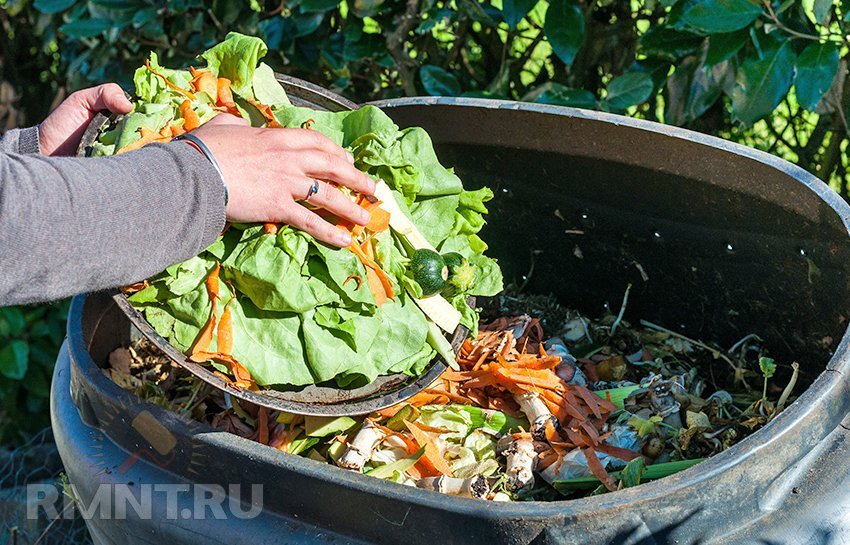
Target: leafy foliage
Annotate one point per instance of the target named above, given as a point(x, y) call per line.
point(767, 73)
point(29, 339)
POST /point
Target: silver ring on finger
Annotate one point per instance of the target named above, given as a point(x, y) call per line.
point(314, 189)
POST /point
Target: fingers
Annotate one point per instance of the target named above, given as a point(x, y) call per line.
point(228, 119)
point(332, 200)
point(309, 222)
point(104, 97)
point(305, 139)
point(324, 166)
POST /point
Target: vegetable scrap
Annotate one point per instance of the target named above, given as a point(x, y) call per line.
point(546, 404)
point(290, 316)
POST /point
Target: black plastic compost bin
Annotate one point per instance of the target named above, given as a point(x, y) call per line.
point(718, 239)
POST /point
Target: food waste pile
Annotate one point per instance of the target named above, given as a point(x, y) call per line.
point(546, 404)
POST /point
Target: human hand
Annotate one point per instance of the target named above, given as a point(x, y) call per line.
point(268, 171)
point(61, 132)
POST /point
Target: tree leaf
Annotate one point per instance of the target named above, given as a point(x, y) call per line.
point(52, 6)
point(761, 83)
point(318, 6)
point(668, 43)
point(629, 89)
point(438, 82)
point(514, 11)
point(723, 46)
point(564, 28)
point(14, 358)
point(561, 95)
point(12, 321)
point(816, 68)
point(86, 28)
point(822, 9)
point(713, 16)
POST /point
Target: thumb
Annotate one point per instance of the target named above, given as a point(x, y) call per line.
point(108, 96)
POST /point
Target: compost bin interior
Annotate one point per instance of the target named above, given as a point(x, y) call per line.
point(715, 245)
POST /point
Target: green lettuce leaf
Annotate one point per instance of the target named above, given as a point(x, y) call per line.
point(266, 88)
point(236, 59)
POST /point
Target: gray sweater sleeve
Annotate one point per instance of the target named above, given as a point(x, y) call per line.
point(20, 141)
point(70, 225)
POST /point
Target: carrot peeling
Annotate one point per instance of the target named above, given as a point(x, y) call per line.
point(190, 118)
point(168, 83)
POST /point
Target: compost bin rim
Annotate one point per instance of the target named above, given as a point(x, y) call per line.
point(821, 189)
point(814, 397)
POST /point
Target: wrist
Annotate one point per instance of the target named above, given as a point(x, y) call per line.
point(201, 148)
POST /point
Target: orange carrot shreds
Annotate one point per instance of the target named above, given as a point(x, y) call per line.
point(266, 110)
point(453, 398)
point(212, 282)
point(190, 118)
point(460, 376)
point(203, 81)
point(270, 228)
point(370, 265)
point(423, 467)
point(133, 288)
point(546, 459)
point(534, 362)
point(224, 96)
point(590, 431)
point(376, 286)
point(432, 453)
point(204, 339)
point(433, 429)
point(263, 426)
point(148, 137)
point(598, 470)
point(428, 398)
point(242, 375)
point(379, 219)
point(356, 278)
point(177, 130)
point(225, 330)
point(617, 452)
point(308, 124)
point(180, 90)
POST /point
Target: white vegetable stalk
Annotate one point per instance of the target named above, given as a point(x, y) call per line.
point(521, 462)
point(473, 487)
point(537, 413)
point(360, 449)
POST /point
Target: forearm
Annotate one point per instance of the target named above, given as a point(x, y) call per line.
point(70, 225)
point(24, 141)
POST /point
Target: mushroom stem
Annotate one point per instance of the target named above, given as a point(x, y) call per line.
point(537, 413)
point(473, 487)
point(521, 462)
point(360, 449)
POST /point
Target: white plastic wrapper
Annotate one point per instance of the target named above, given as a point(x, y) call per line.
point(575, 465)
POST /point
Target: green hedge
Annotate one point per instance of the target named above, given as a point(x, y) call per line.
point(770, 74)
point(766, 73)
